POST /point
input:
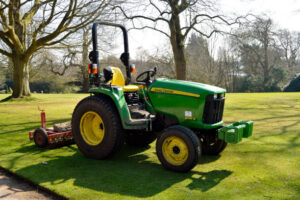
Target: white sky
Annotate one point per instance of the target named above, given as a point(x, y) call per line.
point(285, 14)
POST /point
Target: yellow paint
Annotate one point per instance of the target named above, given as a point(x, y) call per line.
point(191, 118)
point(170, 91)
point(169, 147)
point(118, 80)
point(130, 88)
point(92, 128)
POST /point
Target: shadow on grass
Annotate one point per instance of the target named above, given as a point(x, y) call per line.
point(128, 173)
point(29, 128)
point(5, 99)
point(22, 99)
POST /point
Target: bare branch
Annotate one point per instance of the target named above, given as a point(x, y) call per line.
point(205, 34)
point(142, 17)
point(5, 53)
point(208, 17)
point(150, 27)
point(5, 39)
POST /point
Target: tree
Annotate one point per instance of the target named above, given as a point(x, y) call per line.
point(258, 51)
point(77, 49)
point(196, 14)
point(229, 68)
point(71, 59)
point(289, 43)
point(27, 26)
point(161, 58)
point(201, 64)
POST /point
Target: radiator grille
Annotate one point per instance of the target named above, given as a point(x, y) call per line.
point(214, 107)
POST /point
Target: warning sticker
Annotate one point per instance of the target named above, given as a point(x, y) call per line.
point(188, 115)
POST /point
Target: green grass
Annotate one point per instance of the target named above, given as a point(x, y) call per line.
point(265, 166)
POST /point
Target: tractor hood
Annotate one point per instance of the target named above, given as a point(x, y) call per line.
point(185, 86)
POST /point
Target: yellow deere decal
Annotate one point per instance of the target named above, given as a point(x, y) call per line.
point(170, 91)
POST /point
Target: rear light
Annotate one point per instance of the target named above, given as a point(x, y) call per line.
point(90, 70)
point(132, 68)
point(95, 69)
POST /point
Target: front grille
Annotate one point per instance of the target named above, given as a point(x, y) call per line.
point(214, 107)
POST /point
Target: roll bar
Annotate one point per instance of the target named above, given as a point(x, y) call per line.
point(94, 55)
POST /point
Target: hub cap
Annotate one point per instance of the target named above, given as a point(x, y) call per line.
point(175, 150)
point(39, 138)
point(92, 128)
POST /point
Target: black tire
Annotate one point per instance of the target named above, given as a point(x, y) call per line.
point(139, 138)
point(212, 145)
point(40, 138)
point(113, 136)
point(190, 140)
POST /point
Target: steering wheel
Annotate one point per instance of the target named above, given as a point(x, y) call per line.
point(145, 76)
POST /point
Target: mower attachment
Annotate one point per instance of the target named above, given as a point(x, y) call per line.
point(236, 131)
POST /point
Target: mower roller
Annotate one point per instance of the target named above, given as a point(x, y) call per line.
point(184, 117)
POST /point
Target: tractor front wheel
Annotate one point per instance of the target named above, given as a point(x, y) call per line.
point(178, 148)
point(96, 128)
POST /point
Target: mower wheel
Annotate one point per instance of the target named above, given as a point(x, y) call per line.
point(40, 138)
point(178, 148)
point(96, 127)
point(139, 138)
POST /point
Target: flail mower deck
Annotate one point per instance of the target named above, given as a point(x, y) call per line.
point(57, 136)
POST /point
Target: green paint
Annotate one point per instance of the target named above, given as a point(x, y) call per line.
point(117, 96)
point(176, 105)
point(187, 86)
point(236, 131)
point(175, 98)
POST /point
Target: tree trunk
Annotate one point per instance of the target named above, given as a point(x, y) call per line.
point(177, 42)
point(85, 62)
point(26, 88)
point(18, 75)
point(86, 83)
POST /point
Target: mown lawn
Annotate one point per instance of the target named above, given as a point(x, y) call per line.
point(265, 166)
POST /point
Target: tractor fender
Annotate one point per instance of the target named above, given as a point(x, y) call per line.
point(116, 96)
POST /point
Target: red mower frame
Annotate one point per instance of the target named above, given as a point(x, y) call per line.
point(49, 137)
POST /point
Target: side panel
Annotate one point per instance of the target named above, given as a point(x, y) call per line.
point(117, 96)
point(181, 107)
point(175, 100)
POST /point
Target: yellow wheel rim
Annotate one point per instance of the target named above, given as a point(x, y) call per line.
point(175, 150)
point(92, 128)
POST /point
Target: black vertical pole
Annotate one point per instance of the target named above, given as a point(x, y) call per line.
point(124, 57)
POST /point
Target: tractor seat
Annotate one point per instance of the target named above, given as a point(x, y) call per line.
point(118, 79)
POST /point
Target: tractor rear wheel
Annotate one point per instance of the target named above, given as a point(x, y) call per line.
point(139, 138)
point(96, 128)
point(40, 138)
point(178, 148)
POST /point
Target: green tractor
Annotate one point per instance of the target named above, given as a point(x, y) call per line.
point(185, 117)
